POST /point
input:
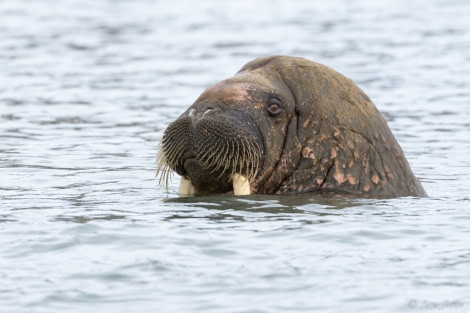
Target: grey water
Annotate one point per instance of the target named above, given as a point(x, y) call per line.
point(86, 90)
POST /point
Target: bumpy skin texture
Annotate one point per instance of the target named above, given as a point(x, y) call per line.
point(323, 133)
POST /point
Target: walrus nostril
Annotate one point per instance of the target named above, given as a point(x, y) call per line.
point(199, 112)
point(192, 112)
point(207, 106)
point(206, 111)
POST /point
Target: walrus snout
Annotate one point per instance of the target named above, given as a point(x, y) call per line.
point(209, 144)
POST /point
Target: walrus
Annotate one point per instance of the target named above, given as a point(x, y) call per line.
point(285, 125)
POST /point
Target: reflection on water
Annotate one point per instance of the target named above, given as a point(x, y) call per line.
point(86, 89)
point(270, 203)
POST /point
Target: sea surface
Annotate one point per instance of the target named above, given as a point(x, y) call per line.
point(86, 91)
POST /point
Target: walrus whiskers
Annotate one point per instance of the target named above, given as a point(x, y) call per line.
point(220, 161)
point(249, 165)
point(227, 164)
point(165, 172)
point(239, 155)
point(171, 149)
point(211, 159)
point(163, 168)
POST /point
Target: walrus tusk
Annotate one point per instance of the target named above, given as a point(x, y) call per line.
point(241, 185)
point(186, 188)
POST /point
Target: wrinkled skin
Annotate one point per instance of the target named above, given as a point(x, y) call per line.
point(312, 128)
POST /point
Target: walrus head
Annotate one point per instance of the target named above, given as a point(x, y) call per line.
point(284, 125)
point(219, 144)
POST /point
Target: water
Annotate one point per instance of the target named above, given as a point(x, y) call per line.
point(86, 89)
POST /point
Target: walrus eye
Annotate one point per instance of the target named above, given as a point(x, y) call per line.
point(274, 106)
